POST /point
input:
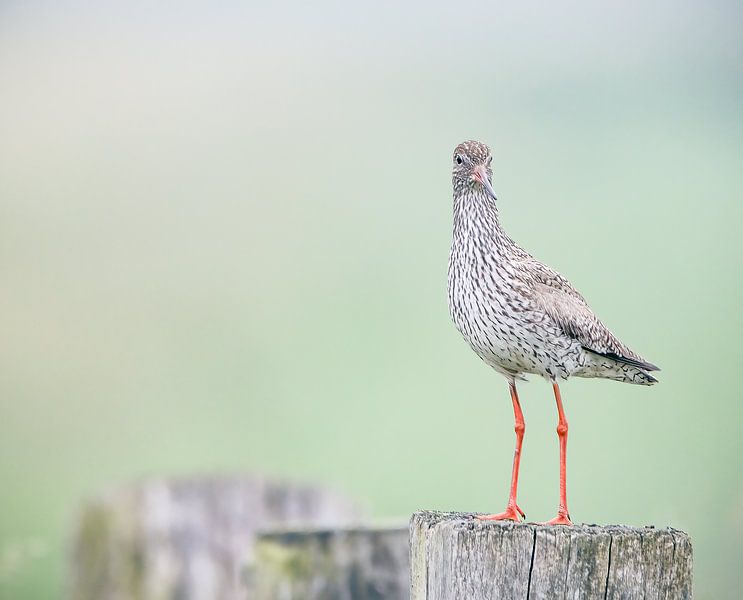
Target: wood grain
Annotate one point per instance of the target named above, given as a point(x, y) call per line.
point(187, 539)
point(337, 564)
point(455, 556)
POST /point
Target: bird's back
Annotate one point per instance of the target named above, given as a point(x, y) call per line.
point(605, 355)
point(521, 316)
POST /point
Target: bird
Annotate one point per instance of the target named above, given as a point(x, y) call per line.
point(520, 316)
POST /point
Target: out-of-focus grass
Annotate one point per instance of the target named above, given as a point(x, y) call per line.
point(223, 242)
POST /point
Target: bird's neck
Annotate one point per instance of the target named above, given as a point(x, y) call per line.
point(476, 216)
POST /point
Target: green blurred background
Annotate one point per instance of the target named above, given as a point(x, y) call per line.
point(224, 231)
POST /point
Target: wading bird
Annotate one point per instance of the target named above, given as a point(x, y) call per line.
point(520, 316)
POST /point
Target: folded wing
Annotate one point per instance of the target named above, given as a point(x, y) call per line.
point(569, 310)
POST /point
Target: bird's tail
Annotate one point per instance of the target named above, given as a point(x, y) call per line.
point(617, 371)
point(637, 376)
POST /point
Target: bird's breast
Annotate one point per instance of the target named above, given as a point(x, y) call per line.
point(491, 307)
point(484, 298)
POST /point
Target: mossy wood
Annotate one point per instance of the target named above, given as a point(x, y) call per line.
point(455, 556)
point(187, 539)
point(339, 564)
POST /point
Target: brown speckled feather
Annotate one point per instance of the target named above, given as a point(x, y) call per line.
point(570, 311)
point(519, 315)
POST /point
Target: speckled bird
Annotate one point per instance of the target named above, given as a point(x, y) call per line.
point(520, 316)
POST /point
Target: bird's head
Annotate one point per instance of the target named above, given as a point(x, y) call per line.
point(471, 168)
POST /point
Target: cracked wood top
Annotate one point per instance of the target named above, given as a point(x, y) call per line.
point(457, 557)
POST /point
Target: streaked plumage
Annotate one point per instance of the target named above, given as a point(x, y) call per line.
point(517, 314)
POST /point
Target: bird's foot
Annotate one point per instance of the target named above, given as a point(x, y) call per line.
point(562, 518)
point(511, 513)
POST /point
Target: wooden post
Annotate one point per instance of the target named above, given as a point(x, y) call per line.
point(457, 557)
point(187, 539)
point(339, 564)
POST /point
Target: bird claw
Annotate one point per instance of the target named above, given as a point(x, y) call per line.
point(511, 513)
point(562, 518)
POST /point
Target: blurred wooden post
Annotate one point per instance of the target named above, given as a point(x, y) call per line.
point(341, 564)
point(187, 539)
point(456, 557)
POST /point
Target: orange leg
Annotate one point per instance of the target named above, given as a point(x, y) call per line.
point(562, 518)
point(513, 511)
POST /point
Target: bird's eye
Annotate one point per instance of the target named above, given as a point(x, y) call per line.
point(459, 159)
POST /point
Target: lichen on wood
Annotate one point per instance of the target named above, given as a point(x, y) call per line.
point(362, 563)
point(187, 539)
point(458, 557)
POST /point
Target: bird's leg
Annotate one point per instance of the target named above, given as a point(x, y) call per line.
point(513, 511)
point(562, 518)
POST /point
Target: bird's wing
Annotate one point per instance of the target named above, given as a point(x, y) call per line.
point(569, 310)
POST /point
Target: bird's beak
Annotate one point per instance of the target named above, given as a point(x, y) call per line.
point(480, 174)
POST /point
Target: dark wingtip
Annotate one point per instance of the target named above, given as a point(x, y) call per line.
point(646, 366)
point(640, 364)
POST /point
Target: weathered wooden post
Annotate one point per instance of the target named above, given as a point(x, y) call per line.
point(331, 564)
point(457, 557)
point(188, 539)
